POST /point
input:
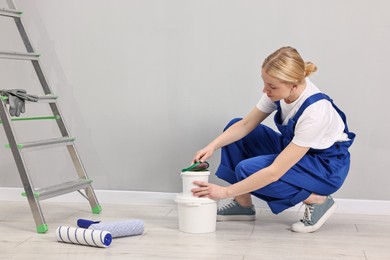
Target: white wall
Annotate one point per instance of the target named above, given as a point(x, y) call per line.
point(144, 84)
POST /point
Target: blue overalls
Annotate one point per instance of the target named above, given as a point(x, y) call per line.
point(320, 171)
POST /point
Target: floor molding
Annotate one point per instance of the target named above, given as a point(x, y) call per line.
point(347, 206)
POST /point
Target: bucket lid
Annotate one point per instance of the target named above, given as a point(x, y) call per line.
point(195, 201)
point(197, 166)
point(190, 173)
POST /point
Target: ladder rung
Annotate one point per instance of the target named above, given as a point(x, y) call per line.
point(49, 142)
point(60, 189)
point(10, 12)
point(47, 99)
point(19, 56)
point(50, 98)
point(34, 118)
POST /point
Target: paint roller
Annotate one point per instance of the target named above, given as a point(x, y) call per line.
point(82, 236)
point(121, 228)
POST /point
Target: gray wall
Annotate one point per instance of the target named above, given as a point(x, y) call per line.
point(144, 84)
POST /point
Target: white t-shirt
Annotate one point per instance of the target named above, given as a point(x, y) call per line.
point(319, 126)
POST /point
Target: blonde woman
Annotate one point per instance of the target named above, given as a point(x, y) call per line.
point(306, 162)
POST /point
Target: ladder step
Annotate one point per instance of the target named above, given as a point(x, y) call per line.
point(50, 98)
point(47, 99)
point(19, 56)
point(60, 189)
point(34, 118)
point(45, 143)
point(10, 12)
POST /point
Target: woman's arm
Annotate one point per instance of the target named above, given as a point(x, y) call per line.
point(282, 163)
point(232, 134)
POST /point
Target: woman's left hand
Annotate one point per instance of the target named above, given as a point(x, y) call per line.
point(208, 190)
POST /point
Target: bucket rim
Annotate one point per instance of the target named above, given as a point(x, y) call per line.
point(195, 173)
point(184, 199)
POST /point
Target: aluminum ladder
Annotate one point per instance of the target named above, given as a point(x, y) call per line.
point(34, 196)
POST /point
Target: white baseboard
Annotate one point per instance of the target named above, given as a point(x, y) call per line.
point(347, 206)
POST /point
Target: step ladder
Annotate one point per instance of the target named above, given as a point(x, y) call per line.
point(34, 196)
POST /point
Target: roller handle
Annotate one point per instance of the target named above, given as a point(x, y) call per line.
point(85, 223)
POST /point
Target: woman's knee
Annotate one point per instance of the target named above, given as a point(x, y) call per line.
point(232, 122)
point(250, 166)
point(242, 171)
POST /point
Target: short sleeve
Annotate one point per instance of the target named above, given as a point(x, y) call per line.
point(266, 105)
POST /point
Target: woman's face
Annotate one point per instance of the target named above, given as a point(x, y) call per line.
point(274, 88)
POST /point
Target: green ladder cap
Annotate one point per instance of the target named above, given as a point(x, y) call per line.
point(20, 146)
point(97, 209)
point(42, 228)
point(4, 98)
point(36, 194)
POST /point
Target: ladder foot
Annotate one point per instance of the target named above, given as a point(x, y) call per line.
point(97, 209)
point(42, 228)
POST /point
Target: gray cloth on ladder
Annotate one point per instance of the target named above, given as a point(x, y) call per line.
point(16, 98)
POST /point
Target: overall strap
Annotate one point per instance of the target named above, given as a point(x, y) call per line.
point(316, 97)
point(343, 117)
point(277, 104)
point(310, 100)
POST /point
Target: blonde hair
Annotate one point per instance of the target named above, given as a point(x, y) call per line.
point(287, 65)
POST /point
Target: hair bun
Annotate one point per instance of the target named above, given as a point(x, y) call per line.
point(310, 68)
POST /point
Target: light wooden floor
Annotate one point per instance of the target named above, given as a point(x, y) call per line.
point(342, 237)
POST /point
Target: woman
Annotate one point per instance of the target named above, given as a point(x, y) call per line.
point(306, 162)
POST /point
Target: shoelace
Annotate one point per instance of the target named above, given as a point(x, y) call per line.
point(307, 215)
point(228, 206)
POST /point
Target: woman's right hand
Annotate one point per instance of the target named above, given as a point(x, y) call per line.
point(203, 154)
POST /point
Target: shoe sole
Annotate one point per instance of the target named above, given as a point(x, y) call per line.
point(321, 221)
point(236, 218)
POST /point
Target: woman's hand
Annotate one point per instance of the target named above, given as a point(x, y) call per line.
point(208, 190)
point(203, 154)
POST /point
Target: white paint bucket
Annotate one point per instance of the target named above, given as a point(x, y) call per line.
point(188, 179)
point(196, 215)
